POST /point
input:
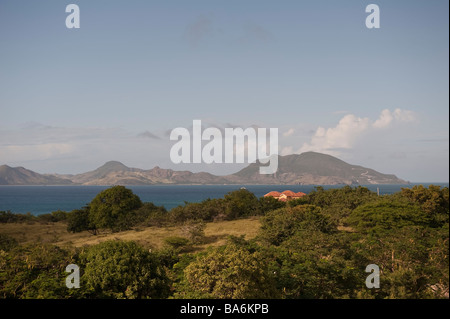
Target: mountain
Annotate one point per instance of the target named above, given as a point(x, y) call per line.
point(316, 168)
point(22, 176)
point(116, 173)
point(306, 168)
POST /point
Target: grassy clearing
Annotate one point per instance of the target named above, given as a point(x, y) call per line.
point(151, 237)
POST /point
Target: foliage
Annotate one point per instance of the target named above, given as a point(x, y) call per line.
point(194, 230)
point(433, 200)
point(340, 202)
point(111, 208)
point(177, 243)
point(386, 215)
point(315, 247)
point(413, 261)
point(78, 221)
point(7, 242)
point(270, 203)
point(9, 217)
point(316, 265)
point(120, 269)
point(34, 271)
point(241, 203)
point(279, 225)
point(228, 272)
point(150, 215)
point(53, 217)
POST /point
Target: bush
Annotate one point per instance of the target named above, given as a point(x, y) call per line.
point(7, 242)
point(228, 272)
point(113, 207)
point(78, 221)
point(194, 230)
point(270, 203)
point(53, 217)
point(150, 215)
point(386, 215)
point(35, 271)
point(121, 269)
point(177, 243)
point(278, 225)
point(8, 217)
point(241, 203)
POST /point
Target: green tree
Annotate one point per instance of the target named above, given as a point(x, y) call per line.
point(278, 225)
point(270, 203)
point(385, 215)
point(78, 221)
point(433, 200)
point(338, 203)
point(241, 203)
point(194, 230)
point(316, 265)
point(121, 269)
point(413, 261)
point(228, 272)
point(34, 271)
point(113, 208)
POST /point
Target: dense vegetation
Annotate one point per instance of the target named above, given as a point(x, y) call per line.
point(314, 247)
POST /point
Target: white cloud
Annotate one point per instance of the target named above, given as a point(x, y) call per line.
point(387, 117)
point(348, 130)
point(352, 129)
point(289, 132)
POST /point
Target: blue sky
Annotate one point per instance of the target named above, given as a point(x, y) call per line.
point(72, 99)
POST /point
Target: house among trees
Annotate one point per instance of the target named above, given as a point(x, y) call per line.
point(285, 196)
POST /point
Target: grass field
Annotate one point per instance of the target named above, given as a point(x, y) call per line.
point(216, 233)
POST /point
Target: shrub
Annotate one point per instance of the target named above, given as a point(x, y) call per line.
point(228, 272)
point(194, 230)
point(177, 243)
point(122, 269)
point(113, 207)
point(278, 225)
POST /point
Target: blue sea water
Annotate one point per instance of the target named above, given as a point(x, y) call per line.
point(46, 199)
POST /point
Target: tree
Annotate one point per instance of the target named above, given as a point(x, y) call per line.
point(387, 214)
point(316, 265)
point(270, 203)
point(113, 207)
point(278, 225)
point(413, 262)
point(228, 272)
point(78, 221)
point(34, 271)
point(241, 203)
point(433, 200)
point(123, 269)
point(194, 230)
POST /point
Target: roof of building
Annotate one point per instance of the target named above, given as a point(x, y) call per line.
point(289, 193)
point(300, 194)
point(273, 194)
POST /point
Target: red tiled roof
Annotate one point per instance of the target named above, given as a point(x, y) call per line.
point(300, 194)
point(289, 193)
point(273, 194)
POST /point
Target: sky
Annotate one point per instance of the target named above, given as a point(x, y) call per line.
point(114, 89)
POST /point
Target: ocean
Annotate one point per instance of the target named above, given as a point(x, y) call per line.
point(46, 199)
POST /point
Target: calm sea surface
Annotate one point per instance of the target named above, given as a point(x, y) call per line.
point(46, 199)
